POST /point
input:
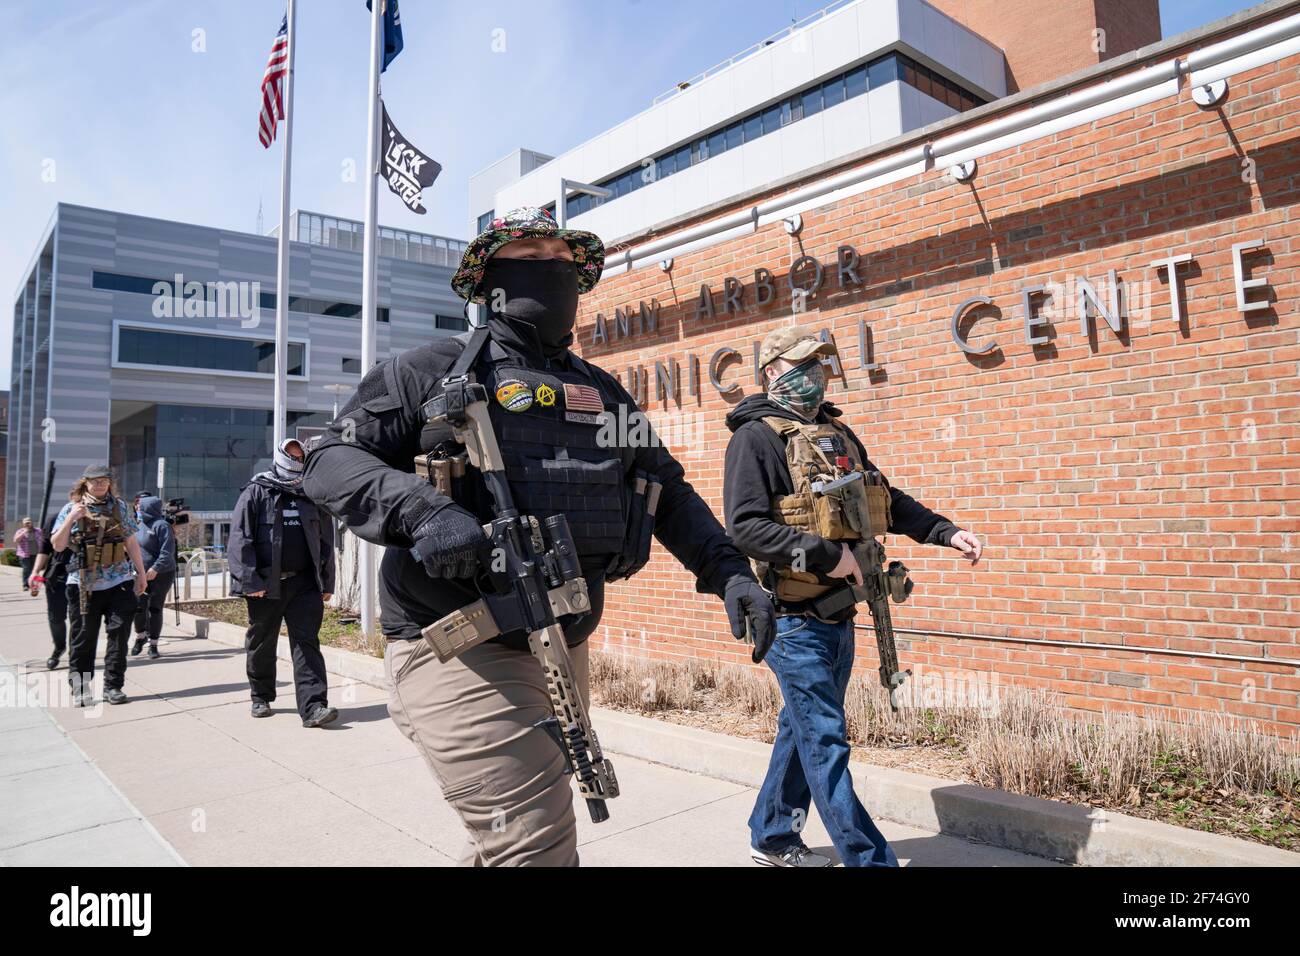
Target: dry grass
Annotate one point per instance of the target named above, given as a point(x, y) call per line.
point(1211, 772)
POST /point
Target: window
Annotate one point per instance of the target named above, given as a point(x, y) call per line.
point(882, 72)
point(209, 352)
point(812, 102)
point(855, 82)
point(485, 220)
point(717, 143)
point(344, 310)
point(352, 365)
point(453, 323)
point(835, 90)
point(112, 282)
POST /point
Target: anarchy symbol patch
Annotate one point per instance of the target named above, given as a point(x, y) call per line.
point(545, 396)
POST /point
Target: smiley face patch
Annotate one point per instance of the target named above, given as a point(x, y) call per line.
point(514, 396)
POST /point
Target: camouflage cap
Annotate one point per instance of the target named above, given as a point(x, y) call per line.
point(97, 470)
point(795, 342)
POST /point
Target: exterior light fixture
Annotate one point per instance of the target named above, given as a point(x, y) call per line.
point(1209, 95)
point(963, 172)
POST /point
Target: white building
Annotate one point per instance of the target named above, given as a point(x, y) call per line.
point(851, 75)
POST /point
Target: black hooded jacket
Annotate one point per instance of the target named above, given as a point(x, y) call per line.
point(756, 472)
point(366, 478)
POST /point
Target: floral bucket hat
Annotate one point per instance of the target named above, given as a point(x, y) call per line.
point(530, 222)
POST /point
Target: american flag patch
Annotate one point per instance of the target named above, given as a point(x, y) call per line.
point(582, 398)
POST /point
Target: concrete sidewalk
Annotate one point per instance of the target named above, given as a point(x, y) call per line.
point(186, 771)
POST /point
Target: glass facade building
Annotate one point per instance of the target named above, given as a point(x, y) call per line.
point(211, 453)
point(138, 339)
point(335, 233)
point(893, 67)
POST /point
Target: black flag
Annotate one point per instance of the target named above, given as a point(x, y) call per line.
point(405, 168)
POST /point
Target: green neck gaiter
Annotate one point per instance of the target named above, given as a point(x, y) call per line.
point(800, 390)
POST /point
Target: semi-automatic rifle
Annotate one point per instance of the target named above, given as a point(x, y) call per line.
point(534, 578)
point(857, 493)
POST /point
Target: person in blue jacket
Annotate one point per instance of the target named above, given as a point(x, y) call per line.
point(158, 550)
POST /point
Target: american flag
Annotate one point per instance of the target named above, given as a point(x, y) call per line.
point(582, 398)
point(272, 85)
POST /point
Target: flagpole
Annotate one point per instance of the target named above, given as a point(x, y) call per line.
point(282, 253)
point(369, 263)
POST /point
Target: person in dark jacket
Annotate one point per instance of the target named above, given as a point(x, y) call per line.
point(51, 572)
point(158, 549)
point(281, 553)
point(475, 717)
point(812, 657)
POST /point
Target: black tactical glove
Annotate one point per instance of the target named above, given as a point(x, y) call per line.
point(451, 544)
point(747, 603)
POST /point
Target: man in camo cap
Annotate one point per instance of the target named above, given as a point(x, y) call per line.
point(771, 516)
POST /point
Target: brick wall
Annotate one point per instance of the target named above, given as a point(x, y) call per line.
point(1043, 40)
point(1136, 489)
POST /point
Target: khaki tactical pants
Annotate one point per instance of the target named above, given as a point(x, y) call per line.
point(472, 719)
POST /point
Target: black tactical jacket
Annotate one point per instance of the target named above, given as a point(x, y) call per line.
point(256, 540)
point(363, 473)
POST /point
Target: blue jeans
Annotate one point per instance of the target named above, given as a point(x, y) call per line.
point(812, 661)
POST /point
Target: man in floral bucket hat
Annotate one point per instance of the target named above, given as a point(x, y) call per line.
point(475, 717)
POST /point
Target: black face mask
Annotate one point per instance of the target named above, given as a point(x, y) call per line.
point(542, 293)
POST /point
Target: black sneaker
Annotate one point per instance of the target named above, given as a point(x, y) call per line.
point(80, 700)
point(796, 855)
point(137, 647)
point(153, 651)
point(320, 716)
point(53, 662)
point(261, 709)
point(115, 696)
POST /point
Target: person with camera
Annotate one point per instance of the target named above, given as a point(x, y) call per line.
point(158, 550)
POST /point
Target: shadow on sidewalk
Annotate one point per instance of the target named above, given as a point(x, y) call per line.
point(367, 714)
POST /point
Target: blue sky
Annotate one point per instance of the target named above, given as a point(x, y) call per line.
point(150, 106)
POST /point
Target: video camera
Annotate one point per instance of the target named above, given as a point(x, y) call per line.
point(175, 512)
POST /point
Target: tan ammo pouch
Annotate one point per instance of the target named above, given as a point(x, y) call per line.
point(799, 586)
point(440, 471)
point(816, 514)
point(872, 511)
point(105, 555)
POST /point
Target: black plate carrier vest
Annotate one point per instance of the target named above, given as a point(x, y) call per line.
point(554, 462)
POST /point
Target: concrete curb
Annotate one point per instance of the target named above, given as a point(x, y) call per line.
point(1059, 831)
